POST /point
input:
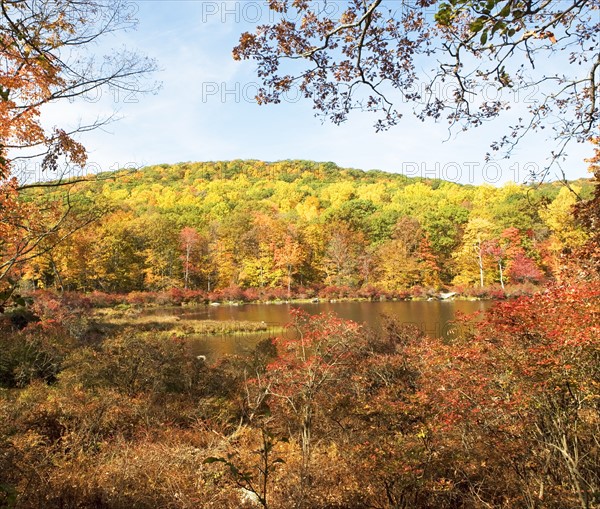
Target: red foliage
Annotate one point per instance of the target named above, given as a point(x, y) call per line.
point(305, 292)
point(251, 295)
point(369, 292)
point(106, 300)
point(60, 314)
point(418, 292)
point(51, 306)
point(523, 269)
point(232, 293)
point(176, 296)
point(274, 294)
point(141, 298)
point(336, 292)
point(399, 295)
point(521, 392)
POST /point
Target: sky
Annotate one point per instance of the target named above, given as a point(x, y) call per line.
point(205, 111)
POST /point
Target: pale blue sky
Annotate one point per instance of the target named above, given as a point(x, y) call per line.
point(205, 111)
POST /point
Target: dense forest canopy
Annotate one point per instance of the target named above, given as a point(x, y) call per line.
point(293, 224)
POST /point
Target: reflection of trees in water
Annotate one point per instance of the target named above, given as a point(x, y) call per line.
point(431, 317)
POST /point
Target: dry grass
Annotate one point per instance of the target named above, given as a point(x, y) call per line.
point(182, 326)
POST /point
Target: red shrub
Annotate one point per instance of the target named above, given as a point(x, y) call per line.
point(418, 292)
point(369, 292)
point(105, 300)
point(232, 293)
point(251, 295)
point(336, 292)
point(305, 292)
point(399, 295)
point(496, 293)
point(141, 298)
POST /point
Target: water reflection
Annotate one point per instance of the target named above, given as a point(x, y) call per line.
point(435, 318)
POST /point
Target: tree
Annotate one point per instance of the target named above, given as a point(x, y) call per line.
point(193, 247)
point(76, 262)
point(45, 55)
point(497, 252)
point(33, 225)
point(516, 400)
point(343, 250)
point(443, 224)
point(188, 243)
point(302, 381)
point(472, 252)
point(289, 256)
point(484, 54)
point(588, 215)
point(520, 266)
point(355, 213)
point(159, 237)
point(118, 255)
point(406, 260)
point(567, 235)
point(258, 252)
point(508, 254)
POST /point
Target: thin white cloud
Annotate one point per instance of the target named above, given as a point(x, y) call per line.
point(205, 111)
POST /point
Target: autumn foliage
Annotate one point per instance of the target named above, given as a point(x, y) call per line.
point(248, 230)
point(503, 414)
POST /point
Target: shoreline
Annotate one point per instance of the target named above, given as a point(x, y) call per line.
point(279, 302)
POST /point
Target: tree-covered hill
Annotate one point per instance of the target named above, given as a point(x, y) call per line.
point(294, 224)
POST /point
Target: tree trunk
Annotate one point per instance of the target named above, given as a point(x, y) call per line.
point(187, 267)
point(480, 261)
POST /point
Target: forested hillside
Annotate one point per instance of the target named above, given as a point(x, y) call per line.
point(292, 225)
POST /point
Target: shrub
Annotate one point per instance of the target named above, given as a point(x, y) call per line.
point(399, 294)
point(418, 292)
point(194, 296)
point(369, 292)
point(232, 293)
point(521, 290)
point(496, 293)
point(105, 300)
point(140, 298)
point(68, 311)
point(176, 296)
point(35, 353)
point(279, 293)
point(336, 292)
point(251, 295)
point(305, 292)
point(215, 296)
point(134, 362)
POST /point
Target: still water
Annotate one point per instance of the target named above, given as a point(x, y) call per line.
point(433, 317)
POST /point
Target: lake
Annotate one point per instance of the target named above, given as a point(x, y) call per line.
point(432, 317)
